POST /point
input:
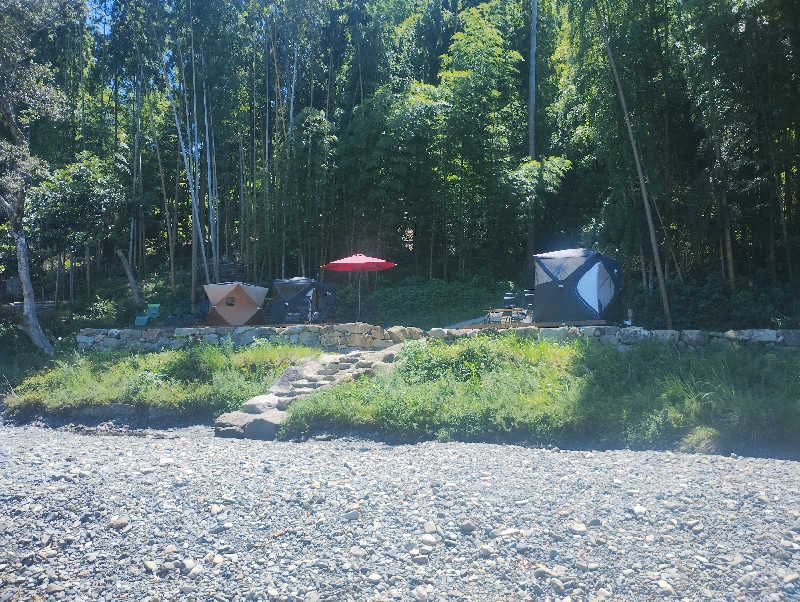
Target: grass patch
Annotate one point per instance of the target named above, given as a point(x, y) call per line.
point(422, 303)
point(203, 379)
point(504, 388)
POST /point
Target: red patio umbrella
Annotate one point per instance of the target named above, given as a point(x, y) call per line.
point(358, 263)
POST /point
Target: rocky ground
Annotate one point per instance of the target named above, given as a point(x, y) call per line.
point(181, 515)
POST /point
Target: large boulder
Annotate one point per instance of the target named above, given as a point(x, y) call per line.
point(666, 336)
point(397, 334)
point(523, 332)
point(260, 404)
point(632, 334)
point(377, 332)
point(790, 337)
point(252, 426)
point(363, 341)
point(755, 335)
point(352, 328)
point(694, 338)
point(414, 332)
point(562, 333)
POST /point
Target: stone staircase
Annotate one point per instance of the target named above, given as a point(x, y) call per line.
point(261, 416)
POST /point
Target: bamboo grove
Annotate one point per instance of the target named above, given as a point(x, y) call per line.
point(284, 134)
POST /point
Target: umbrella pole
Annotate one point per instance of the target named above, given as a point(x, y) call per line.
point(359, 297)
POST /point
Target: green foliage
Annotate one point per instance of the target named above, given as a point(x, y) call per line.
point(203, 379)
point(432, 361)
point(25, 358)
point(427, 303)
point(702, 440)
point(572, 393)
point(78, 205)
point(710, 305)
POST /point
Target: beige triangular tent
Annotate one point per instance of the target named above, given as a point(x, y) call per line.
point(235, 304)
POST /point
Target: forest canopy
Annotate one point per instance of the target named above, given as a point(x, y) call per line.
point(284, 134)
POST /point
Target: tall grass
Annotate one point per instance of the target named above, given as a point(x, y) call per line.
point(651, 396)
point(204, 379)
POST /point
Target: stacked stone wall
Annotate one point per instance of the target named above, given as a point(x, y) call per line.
point(358, 335)
point(331, 337)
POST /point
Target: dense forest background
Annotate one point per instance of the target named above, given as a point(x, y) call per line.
point(180, 137)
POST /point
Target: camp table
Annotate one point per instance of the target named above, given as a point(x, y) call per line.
point(507, 313)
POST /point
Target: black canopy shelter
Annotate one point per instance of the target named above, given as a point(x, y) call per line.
point(576, 285)
point(299, 300)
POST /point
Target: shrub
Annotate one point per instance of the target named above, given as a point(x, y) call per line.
point(198, 363)
point(434, 360)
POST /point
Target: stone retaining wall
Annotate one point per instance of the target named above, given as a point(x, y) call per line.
point(333, 337)
point(358, 335)
point(687, 340)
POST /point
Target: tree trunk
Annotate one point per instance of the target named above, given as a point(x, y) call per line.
point(215, 185)
point(72, 277)
point(642, 186)
point(195, 145)
point(59, 266)
point(643, 267)
point(194, 269)
point(168, 219)
point(532, 82)
point(267, 208)
point(131, 256)
point(212, 217)
point(136, 163)
point(242, 220)
point(191, 180)
point(30, 319)
point(87, 265)
point(137, 297)
point(787, 245)
point(726, 231)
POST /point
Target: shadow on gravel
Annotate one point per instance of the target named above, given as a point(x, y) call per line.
point(133, 424)
point(777, 452)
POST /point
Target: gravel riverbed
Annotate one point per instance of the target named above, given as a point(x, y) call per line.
point(180, 515)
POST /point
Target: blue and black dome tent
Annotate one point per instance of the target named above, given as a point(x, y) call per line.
point(300, 300)
point(576, 285)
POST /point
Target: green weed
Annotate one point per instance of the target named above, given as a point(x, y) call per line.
point(202, 379)
point(484, 388)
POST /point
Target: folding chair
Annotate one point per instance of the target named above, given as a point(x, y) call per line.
point(153, 310)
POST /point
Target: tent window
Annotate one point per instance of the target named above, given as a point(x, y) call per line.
point(563, 267)
point(541, 275)
point(587, 288)
point(605, 287)
point(596, 288)
point(230, 301)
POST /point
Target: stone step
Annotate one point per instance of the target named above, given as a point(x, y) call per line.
point(302, 391)
point(363, 372)
point(307, 384)
point(284, 402)
point(253, 426)
point(364, 364)
point(259, 404)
